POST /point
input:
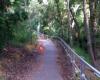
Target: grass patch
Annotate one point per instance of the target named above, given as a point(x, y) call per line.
point(84, 54)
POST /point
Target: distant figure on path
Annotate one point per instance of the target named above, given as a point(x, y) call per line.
point(40, 48)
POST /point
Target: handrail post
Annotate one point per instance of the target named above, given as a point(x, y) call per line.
point(82, 69)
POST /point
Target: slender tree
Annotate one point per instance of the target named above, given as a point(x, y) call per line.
point(77, 25)
point(88, 34)
point(59, 17)
point(93, 24)
point(69, 23)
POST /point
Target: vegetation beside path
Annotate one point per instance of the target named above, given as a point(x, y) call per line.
point(75, 21)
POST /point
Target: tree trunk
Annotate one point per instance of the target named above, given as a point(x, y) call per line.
point(72, 13)
point(69, 22)
point(93, 24)
point(88, 35)
point(59, 16)
point(77, 25)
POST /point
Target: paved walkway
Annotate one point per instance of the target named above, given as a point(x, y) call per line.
point(49, 69)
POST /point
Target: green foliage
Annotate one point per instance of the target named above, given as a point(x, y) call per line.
point(83, 54)
point(34, 37)
point(40, 1)
point(19, 19)
point(10, 17)
point(20, 34)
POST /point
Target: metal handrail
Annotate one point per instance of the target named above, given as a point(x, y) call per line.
point(94, 70)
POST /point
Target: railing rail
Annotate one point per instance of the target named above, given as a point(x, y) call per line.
point(84, 70)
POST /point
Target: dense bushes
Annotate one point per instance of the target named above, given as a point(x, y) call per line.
point(14, 26)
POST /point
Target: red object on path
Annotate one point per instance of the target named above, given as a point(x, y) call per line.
point(40, 48)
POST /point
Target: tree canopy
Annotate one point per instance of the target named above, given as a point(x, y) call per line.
point(76, 21)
